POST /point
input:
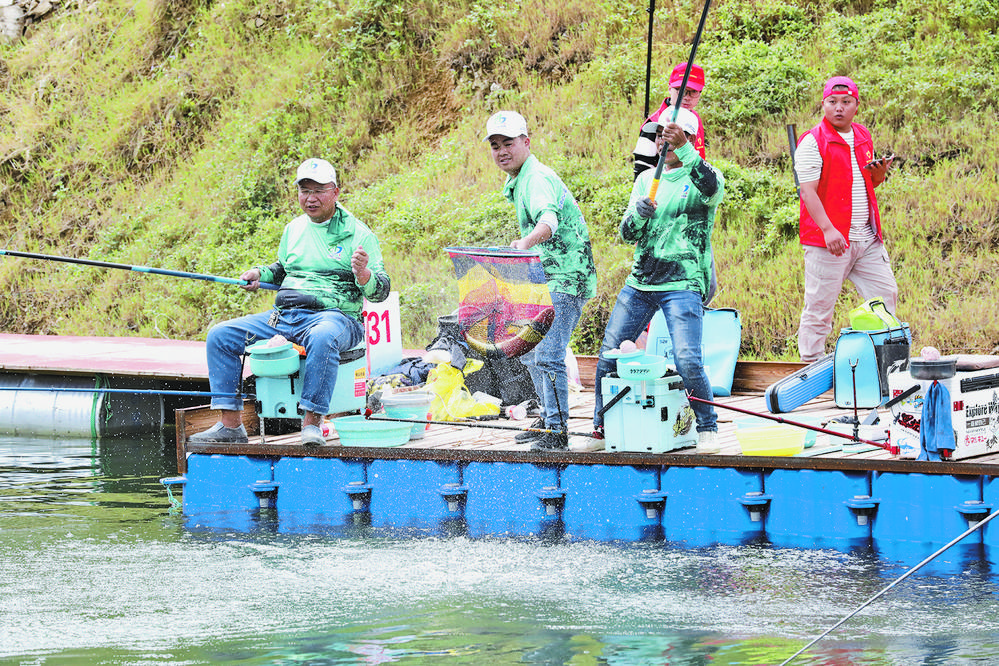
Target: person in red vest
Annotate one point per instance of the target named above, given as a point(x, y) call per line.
point(840, 225)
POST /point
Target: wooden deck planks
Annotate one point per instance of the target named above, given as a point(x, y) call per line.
point(463, 442)
point(135, 357)
point(185, 360)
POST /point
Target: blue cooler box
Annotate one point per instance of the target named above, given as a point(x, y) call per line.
point(653, 417)
point(277, 397)
point(867, 358)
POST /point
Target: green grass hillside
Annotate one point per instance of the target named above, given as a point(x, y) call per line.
point(166, 133)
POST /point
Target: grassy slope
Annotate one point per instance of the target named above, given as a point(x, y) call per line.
point(164, 133)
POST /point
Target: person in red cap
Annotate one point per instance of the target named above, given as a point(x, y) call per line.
point(840, 224)
point(646, 154)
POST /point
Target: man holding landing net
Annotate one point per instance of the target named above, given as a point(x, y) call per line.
point(551, 223)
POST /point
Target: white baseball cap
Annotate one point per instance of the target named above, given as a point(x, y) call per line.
point(685, 118)
point(318, 170)
point(506, 123)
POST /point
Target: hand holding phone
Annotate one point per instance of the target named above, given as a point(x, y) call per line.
point(878, 161)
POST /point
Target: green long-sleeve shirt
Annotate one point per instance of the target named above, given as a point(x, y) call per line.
point(313, 266)
point(567, 256)
point(673, 247)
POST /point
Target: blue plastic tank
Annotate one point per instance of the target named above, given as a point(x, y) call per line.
point(612, 502)
point(707, 505)
point(511, 499)
point(924, 508)
point(812, 508)
point(311, 494)
point(219, 495)
point(406, 494)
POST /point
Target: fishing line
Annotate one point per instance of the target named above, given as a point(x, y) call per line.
point(893, 584)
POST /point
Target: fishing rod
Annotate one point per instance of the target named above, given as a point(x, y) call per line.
point(648, 57)
point(679, 98)
point(895, 582)
point(792, 140)
point(370, 416)
point(779, 419)
point(202, 394)
point(137, 269)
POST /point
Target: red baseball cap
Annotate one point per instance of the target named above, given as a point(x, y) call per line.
point(695, 81)
point(851, 87)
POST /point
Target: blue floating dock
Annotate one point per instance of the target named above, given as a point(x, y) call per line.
point(479, 483)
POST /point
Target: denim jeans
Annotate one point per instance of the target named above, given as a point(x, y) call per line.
point(323, 334)
point(546, 362)
point(684, 314)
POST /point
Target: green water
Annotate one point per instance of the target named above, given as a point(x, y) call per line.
point(95, 569)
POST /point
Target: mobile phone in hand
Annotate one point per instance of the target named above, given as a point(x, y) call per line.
point(877, 161)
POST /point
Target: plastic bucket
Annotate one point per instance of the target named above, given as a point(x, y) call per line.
point(748, 422)
point(277, 361)
point(775, 440)
point(411, 405)
point(359, 431)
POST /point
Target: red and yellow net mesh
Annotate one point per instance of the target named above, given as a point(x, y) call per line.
point(505, 308)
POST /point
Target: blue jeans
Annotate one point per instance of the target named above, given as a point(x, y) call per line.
point(546, 362)
point(684, 314)
point(323, 334)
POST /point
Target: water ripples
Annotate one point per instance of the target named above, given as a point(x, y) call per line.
point(95, 569)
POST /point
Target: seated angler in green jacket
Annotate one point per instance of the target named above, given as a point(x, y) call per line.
point(328, 262)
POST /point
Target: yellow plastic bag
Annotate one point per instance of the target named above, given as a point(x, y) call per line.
point(452, 401)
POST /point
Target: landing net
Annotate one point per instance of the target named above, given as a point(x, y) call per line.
point(505, 308)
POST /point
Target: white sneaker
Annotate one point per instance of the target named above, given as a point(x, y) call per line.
point(707, 442)
point(312, 436)
point(587, 443)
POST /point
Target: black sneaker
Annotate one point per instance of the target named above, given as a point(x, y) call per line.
point(551, 441)
point(533, 407)
point(527, 435)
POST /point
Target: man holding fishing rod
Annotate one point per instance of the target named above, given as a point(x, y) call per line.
point(671, 270)
point(328, 262)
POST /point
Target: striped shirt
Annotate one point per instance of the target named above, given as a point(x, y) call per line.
point(808, 166)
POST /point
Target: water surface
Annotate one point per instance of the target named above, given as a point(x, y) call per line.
point(96, 569)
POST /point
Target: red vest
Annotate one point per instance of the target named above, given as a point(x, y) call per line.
point(836, 182)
